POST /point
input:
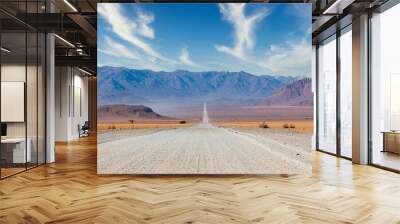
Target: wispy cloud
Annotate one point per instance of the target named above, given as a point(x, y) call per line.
point(144, 21)
point(118, 50)
point(127, 57)
point(129, 30)
point(130, 38)
point(185, 58)
point(243, 28)
point(292, 58)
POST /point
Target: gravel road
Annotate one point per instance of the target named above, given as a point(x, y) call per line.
point(206, 149)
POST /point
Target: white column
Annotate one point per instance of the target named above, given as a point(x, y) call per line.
point(360, 90)
point(314, 91)
point(50, 99)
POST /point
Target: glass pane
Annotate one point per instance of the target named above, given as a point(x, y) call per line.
point(13, 86)
point(31, 88)
point(327, 96)
point(346, 94)
point(31, 100)
point(23, 90)
point(386, 89)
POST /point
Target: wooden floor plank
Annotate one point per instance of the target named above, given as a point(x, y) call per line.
point(70, 191)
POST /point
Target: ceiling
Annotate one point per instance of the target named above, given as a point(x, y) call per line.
point(74, 21)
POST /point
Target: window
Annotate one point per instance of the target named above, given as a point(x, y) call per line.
point(385, 89)
point(327, 95)
point(346, 93)
point(22, 66)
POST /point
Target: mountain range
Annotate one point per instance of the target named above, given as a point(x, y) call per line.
point(118, 85)
point(297, 93)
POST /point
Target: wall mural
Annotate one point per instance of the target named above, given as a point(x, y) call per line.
point(206, 88)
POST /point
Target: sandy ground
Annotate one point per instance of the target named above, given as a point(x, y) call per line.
point(304, 126)
point(117, 134)
point(153, 124)
point(204, 149)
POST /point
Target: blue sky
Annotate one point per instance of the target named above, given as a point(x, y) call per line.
point(259, 38)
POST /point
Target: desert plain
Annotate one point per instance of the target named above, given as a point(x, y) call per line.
point(215, 145)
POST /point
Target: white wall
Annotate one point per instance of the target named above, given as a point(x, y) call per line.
point(79, 103)
point(17, 73)
point(70, 84)
point(12, 73)
point(62, 81)
point(33, 126)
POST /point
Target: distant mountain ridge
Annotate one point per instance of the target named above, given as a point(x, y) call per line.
point(297, 93)
point(119, 85)
point(123, 113)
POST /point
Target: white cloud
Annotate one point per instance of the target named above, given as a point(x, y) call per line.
point(243, 26)
point(185, 58)
point(143, 26)
point(129, 30)
point(118, 50)
point(127, 57)
point(295, 57)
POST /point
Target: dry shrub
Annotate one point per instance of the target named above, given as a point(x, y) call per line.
point(182, 122)
point(132, 122)
point(286, 126)
point(112, 127)
point(264, 125)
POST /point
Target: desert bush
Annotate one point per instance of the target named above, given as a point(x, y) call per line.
point(132, 122)
point(286, 126)
point(182, 122)
point(292, 126)
point(112, 127)
point(264, 125)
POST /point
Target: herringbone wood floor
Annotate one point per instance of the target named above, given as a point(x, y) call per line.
point(70, 191)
